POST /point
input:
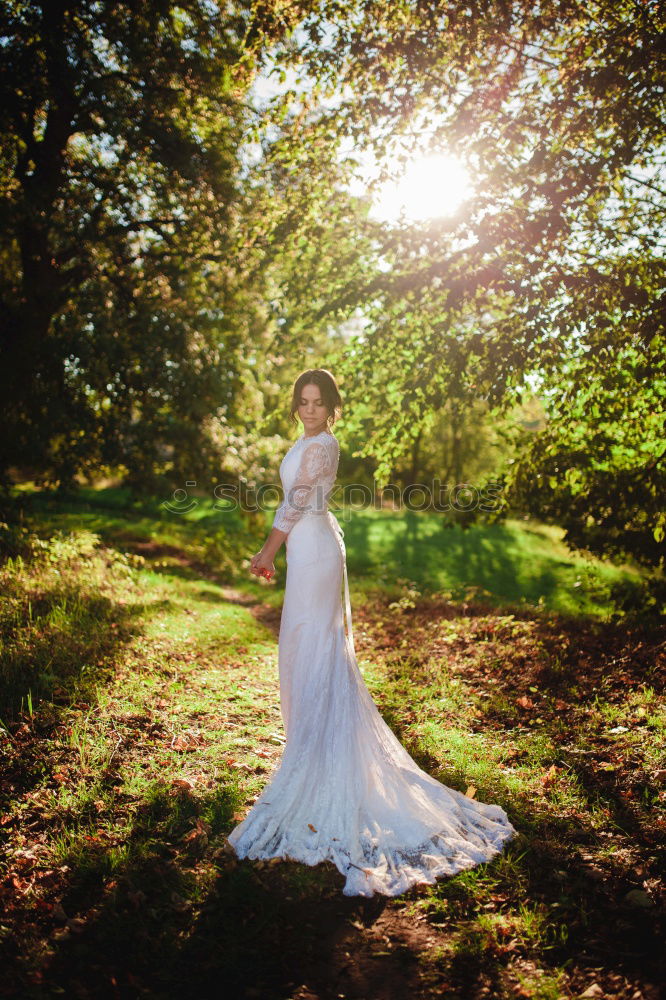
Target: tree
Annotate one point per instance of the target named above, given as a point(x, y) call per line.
point(151, 272)
point(555, 267)
point(599, 467)
point(121, 124)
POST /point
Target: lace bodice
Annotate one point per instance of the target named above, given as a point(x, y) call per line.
point(307, 473)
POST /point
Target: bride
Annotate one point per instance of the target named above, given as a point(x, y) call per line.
point(345, 790)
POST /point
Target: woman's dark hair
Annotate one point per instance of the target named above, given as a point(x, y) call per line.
point(328, 389)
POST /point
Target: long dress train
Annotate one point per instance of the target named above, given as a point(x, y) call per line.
point(346, 790)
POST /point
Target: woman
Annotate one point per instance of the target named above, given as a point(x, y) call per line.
point(345, 790)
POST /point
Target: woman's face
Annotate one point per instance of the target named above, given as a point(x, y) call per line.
point(312, 409)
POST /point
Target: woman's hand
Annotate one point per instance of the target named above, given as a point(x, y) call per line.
point(262, 565)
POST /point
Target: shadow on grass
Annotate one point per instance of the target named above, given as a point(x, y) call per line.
point(579, 874)
point(154, 927)
point(67, 636)
point(511, 563)
point(264, 931)
point(256, 930)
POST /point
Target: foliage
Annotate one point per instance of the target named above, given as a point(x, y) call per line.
point(556, 111)
point(119, 171)
point(139, 284)
point(177, 249)
point(599, 467)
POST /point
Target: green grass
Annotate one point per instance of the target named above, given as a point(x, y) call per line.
point(140, 716)
point(516, 563)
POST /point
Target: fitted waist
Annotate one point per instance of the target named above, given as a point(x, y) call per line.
point(309, 535)
point(321, 516)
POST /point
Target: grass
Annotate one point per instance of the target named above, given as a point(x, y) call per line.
point(519, 562)
point(140, 716)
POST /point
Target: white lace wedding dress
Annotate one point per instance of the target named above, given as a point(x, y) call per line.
point(346, 790)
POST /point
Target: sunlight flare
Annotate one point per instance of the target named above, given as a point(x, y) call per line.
point(431, 187)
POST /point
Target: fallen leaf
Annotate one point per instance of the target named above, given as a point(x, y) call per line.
point(525, 702)
point(471, 791)
point(593, 991)
point(312, 827)
point(182, 783)
point(549, 777)
point(198, 835)
point(180, 743)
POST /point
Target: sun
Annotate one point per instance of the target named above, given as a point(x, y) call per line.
point(431, 187)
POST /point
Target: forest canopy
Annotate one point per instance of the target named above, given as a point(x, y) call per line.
point(176, 249)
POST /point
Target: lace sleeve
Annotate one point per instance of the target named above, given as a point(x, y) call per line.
point(315, 462)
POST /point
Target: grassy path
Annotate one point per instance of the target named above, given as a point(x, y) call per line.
point(117, 792)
